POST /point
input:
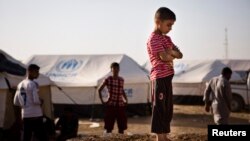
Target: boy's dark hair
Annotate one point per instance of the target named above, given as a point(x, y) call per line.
point(226, 70)
point(33, 67)
point(114, 64)
point(164, 13)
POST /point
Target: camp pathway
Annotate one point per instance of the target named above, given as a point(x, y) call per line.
point(188, 122)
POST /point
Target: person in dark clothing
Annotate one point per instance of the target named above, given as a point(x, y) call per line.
point(67, 124)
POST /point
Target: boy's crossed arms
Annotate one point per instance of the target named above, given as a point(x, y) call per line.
point(170, 54)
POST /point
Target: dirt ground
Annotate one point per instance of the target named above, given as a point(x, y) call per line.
point(189, 124)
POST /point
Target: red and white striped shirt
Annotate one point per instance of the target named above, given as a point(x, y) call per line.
point(159, 43)
point(116, 91)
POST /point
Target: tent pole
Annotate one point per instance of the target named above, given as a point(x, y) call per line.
point(93, 106)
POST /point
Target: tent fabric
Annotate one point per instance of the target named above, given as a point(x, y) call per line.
point(237, 65)
point(10, 65)
point(73, 95)
point(3, 97)
point(14, 80)
point(80, 75)
point(199, 71)
point(69, 70)
point(196, 71)
point(191, 76)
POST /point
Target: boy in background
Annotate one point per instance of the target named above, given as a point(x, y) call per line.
point(115, 106)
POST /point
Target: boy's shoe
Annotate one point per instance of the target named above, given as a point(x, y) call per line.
point(105, 134)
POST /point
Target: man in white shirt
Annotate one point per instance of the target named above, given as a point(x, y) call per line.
point(28, 99)
point(220, 91)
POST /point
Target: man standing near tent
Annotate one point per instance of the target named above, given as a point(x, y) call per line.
point(27, 97)
point(220, 91)
point(115, 106)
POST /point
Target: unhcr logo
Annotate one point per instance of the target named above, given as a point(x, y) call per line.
point(69, 65)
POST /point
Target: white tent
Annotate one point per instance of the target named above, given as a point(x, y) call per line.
point(80, 75)
point(237, 65)
point(7, 115)
point(191, 75)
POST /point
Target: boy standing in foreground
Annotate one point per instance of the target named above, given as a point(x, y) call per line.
point(162, 52)
point(115, 106)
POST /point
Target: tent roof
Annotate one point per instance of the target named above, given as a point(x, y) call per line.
point(237, 65)
point(15, 72)
point(87, 70)
point(199, 71)
point(10, 65)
